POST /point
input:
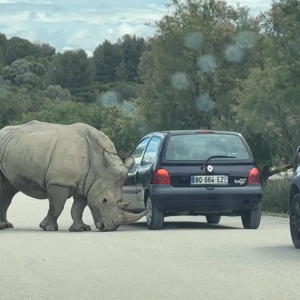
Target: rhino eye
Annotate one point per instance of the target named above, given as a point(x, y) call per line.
point(104, 201)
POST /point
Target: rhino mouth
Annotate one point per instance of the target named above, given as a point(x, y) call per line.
point(103, 227)
point(122, 217)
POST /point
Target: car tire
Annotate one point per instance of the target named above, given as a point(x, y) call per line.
point(213, 219)
point(154, 217)
point(251, 219)
point(295, 220)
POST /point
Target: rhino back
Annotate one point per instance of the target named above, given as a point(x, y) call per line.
point(70, 161)
point(25, 150)
point(37, 154)
point(104, 157)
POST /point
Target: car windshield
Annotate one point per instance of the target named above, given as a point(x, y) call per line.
point(202, 146)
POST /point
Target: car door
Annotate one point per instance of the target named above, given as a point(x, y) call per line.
point(129, 187)
point(144, 170)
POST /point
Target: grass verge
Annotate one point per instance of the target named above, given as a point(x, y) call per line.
point(267, 213)
point(275, 197)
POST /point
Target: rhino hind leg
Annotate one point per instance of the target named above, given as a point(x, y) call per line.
point(7, 192)
point(77, 210)
point(57, 196)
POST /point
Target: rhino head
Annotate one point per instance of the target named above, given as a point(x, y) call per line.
point(107, 205)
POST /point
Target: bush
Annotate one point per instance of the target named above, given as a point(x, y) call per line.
point(275, 197)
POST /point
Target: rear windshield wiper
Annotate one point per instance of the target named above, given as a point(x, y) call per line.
point(215, 156)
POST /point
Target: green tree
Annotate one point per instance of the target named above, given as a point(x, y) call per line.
point(268, 104)
point(26, 72)
point(126, 90)
point(13, 103)
point(121, 72)
point(107, 57)
point(55, 93)
point(269, 109)
point(197, 57)
point(17, 48)
point(72, 69)
point(51, 95)
point(67, 112)
point(120, 127)
point(43, 50)
point(3, 42)
point(132, 49)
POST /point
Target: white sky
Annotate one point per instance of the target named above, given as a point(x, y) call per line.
point(70, 24)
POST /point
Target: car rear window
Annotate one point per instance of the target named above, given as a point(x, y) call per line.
point(202, 146)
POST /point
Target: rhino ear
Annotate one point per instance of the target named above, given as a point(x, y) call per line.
point(129, 162)
point(122, 204)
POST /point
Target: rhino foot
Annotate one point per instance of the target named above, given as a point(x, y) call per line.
point(49, 226)
point(80, 227)
point(2, 225)
point(8, 225)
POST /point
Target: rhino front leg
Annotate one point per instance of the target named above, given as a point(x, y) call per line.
point(57, 196)
point(77, 210)
point(5, 203)
point(7, 192)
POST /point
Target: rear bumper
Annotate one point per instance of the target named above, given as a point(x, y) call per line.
point(223, 200)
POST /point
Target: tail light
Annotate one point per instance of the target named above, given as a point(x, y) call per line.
point(254, 176)
point(161, 176)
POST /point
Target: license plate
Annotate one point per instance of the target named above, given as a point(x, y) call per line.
point(209, 179)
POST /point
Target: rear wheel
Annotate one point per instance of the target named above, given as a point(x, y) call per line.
point(251, 219)
point(295, 221)
point(213, 219)
point(155, 217)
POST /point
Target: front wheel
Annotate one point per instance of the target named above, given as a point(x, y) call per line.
point(155, 217)
point(213, 219)
point(295, 221)
point(251, 219)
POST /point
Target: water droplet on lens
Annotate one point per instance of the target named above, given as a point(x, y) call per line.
point(193, 40)
point(207, 63)
point(109, 98)
point(234, 54)
point(204, 103)
point(180, 80)
point(246, 39)
point(128, 108)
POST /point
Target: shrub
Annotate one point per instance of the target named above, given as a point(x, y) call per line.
point(275, 197)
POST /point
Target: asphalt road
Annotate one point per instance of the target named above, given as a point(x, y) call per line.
point(187, 260)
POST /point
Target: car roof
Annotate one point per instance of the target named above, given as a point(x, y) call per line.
point(166, 132)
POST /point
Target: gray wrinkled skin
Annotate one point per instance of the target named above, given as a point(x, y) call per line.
point(56, 162)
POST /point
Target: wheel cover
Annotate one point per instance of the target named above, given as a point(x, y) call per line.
point(149, 211)
point(295, 222)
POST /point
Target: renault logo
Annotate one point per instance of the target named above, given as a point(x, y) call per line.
point(209, 169)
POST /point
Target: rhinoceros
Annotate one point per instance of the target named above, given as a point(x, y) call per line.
point(56, 162)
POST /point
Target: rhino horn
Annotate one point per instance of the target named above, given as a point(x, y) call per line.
point(129, 218)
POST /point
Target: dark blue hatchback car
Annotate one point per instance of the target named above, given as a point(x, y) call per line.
point(194, 172)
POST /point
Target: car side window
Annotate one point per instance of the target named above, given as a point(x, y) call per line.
point(151, 151)
point(139, 150)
